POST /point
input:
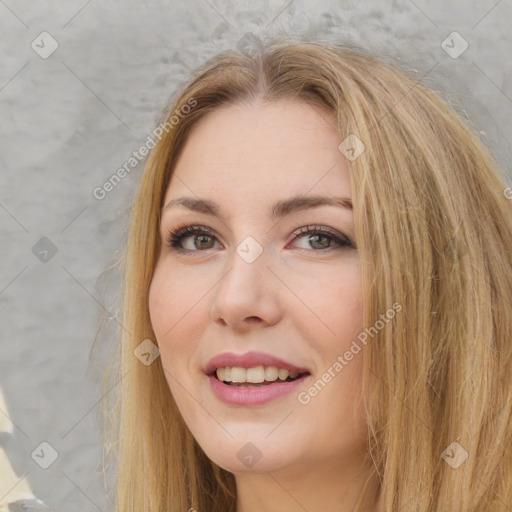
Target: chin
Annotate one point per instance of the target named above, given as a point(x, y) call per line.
point(234, 465)
point(238, 456)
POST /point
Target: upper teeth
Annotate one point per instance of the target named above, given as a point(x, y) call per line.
point(254, 375)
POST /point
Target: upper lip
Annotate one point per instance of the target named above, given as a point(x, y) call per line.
point(249, 360)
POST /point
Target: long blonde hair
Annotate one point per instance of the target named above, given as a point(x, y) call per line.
point(434, 232)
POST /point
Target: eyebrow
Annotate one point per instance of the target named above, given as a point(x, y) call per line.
point(278, 210)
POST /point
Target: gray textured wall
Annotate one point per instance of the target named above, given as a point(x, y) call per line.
point(70, 120)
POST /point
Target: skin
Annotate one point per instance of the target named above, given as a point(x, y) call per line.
point(297, 301)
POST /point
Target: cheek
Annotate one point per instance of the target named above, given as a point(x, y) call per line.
point(178, 310)
point(343, 313)
point(161, 293)
point(338, 303)
point(349, 307)
point(347, 318)
point(165, 311)
point(335, 296)
point(171, 302)
point(167, 303)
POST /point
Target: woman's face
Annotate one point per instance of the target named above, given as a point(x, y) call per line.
point(247, 286)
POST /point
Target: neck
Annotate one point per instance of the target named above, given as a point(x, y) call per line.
point(328, 486)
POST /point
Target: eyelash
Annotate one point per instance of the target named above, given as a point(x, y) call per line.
point(176, 236)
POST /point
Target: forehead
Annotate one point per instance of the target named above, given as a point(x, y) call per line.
point(265, 150)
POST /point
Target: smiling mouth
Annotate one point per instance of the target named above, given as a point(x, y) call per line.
point(255, 377)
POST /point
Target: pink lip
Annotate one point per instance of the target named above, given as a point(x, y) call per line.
point(251, 395)
point(248, 360)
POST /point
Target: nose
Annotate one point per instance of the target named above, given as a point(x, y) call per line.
point(248, 294)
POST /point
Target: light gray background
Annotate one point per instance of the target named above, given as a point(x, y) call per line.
point(70, 121)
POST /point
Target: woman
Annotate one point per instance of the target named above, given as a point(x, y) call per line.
point(320, 250)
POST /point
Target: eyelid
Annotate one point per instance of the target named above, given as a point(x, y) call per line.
point(186, 230)
point(319, 229)
point(181, 232)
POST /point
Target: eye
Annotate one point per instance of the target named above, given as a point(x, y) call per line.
point(202, 238)
point(199, 238)
point(322, 237)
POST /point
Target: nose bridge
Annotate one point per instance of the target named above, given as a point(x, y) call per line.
point(248, 267)
point(247, 289)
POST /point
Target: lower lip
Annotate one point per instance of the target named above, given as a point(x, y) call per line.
point(253, 396)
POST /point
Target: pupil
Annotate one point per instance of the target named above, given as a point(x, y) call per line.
point(321, 236)
point(202, 238)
